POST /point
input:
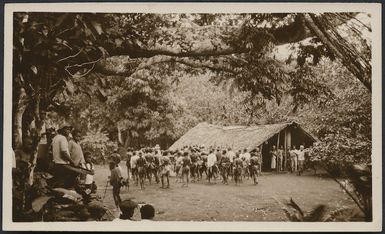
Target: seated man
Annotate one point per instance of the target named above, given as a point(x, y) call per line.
point(89, 178)
point(75, 149)
point(147, 212)
point(63, 162)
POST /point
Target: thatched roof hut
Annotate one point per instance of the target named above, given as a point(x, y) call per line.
point(241, 137)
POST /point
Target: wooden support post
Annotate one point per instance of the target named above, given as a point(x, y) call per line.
point(261, 154)
point(277, 162)
point(285, 152)
point(279, 134)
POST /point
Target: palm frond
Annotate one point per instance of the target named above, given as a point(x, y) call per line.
point(295, 206)
point(316, 214)
point(341, 214)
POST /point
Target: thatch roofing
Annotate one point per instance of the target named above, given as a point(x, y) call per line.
point(237, 137)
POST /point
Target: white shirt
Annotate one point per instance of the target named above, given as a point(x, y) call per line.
point(231, 155)
point(59, 144)
point(119, 168)
point(301, 154)
point(133, 161)
point(89, 178)
point(211, 159)
point(246, 156)
point(179, 160)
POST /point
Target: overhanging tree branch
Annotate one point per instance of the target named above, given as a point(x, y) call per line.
point(362, 72)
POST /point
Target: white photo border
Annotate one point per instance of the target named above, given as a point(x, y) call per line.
point(146, 7)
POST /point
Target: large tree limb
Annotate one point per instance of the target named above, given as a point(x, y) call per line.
point(191, 40)
point(124, 66)
point(363, 74)
point(208, 42)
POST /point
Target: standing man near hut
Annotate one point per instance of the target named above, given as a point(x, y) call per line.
point(186, 164)
point(254, 164)
point(203, 168)
point(293, 159)
point(225, 165)
point(301, 159)
point(280, 159)
point(157, 159)
point(238, 164)
point(178, 166)
point(246, 163)
point(128, 164)
point(165, 169)
point(217, 168)
point(258, 154)
point(194, 164)
point(134, 169)
point(273, 155)
point(211, 160)
point(141, 167)
point(231, 156)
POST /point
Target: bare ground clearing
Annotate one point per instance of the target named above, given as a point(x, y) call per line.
point(218, 202)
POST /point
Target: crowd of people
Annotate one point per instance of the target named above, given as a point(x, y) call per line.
point(192, 164)
point(195, 163)
point(292, 160)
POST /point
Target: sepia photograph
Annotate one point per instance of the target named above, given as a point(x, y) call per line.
point(192, 116)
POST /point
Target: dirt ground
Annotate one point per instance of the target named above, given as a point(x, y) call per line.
point(218, 202)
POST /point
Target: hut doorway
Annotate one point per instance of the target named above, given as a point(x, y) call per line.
point(266, 157)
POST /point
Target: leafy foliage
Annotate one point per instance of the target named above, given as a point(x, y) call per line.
point(97, 143)
point(320, 213)
point(295, 214)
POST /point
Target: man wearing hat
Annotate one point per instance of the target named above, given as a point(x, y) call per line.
point(115, 157)
point(62, 157)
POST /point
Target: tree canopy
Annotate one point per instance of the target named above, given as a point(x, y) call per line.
point(116, 73)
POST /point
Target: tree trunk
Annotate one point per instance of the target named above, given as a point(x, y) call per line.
point(128, 139)
point(37, 135)
point(120, 141)
point(22, 104)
